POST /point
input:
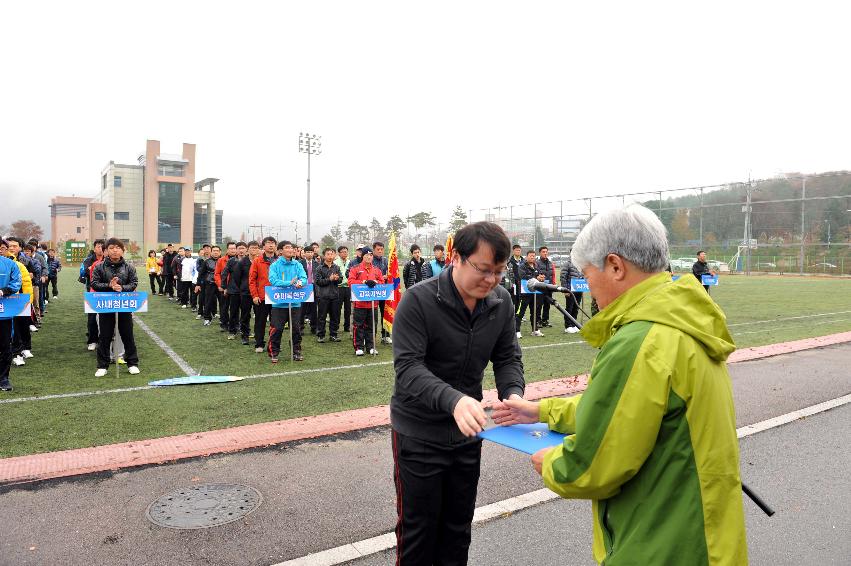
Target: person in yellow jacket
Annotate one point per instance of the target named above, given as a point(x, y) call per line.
point(154, 271)
point(22, 340)
point(652, 440)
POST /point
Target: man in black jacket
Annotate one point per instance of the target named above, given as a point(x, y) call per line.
point(95, 256)
point(572, 300)
point(700, 268)
point(415, 270)
point(168, 275)
point(447, 329)
point(206, 286)
point(326, 279)
point(114, 274)
point(548, 269)
point(532, 301)
point(239, 295)
point(514, 264)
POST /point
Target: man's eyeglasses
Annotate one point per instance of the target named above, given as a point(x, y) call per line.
point(498, 275)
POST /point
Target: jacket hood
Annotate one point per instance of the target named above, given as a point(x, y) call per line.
point(681, 304)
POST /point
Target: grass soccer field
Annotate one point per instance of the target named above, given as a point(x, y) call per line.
point(760, 310)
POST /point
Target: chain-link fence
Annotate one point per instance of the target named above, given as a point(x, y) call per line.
point(794, 224)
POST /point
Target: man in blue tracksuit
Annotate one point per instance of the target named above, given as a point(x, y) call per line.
point(285, 272)
point(10, 283)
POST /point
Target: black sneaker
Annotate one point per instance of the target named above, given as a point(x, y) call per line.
point(334, 339)
point(6, 388)
point(297, 357)
point(245, 341)
point(320, 339)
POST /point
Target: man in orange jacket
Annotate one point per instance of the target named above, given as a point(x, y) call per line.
point(258, 280)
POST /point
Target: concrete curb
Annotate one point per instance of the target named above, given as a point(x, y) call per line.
point(36, 467)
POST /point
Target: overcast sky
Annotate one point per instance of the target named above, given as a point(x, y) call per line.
point(420, 107)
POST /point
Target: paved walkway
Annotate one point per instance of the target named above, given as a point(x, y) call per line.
point(155, 451)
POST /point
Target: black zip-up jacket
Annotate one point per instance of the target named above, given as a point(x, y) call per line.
point(440, 351)
point(87, 270)
point(699, 269)
point(568, 272)
point(167, 259)
point(207, 271)
point(325, 288)
point(546, 267)
point(529, 271)
point(106, 270)
point(514, 276)
point(414, 272)
point(238, 269)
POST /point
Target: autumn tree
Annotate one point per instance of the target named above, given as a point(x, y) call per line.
point(679, 226)
point(26, 229)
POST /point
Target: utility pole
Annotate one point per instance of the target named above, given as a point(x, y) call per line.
point(310, 144)
point(747, 238)
point(803, 230)
point(261, 226)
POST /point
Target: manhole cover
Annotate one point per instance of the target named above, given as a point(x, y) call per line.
point(203, 506)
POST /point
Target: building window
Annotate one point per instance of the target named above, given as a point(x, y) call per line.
point(170, 170)
point(219, 215)
point(100, 216)
point(201, 231)
point(122, 216)
point(103, 182)
point(78, 230)
point(116, 182)
point(168, 214)
point(78, 214)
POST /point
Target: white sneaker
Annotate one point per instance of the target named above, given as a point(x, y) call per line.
point(199, 316)
point(567, 331)
point(537, 333)
point(133, 370)
point(373, 352)
point(183, 306)
point(92, 347)
point(519, 335)
point(573, 330)
point(27, 354)
point(19, 361)
point(100, 373)
point(33, 328)
point(359, 352)
point(206, 323)
point(46, 302)
point(387, 340)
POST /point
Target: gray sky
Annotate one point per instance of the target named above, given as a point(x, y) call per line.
point(421, 106)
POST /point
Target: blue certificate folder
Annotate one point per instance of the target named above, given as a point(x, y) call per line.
point(528, 438)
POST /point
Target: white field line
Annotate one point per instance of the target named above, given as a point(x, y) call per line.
point(789, 318)
point(186, 368)
point(189, 371)
point(506, 507)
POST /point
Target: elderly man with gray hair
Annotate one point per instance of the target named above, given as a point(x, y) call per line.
point(652, 440)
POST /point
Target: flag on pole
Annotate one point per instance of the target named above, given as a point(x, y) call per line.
point(449, 243)
point(392, 277)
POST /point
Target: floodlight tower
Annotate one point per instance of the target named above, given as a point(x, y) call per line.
point(311, 144)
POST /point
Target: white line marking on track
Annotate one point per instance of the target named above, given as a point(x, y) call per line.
point(789, 318)
point(165, 347)
point(498, 509)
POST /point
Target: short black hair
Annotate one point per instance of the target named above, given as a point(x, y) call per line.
point(467, 240)
point(33, 242)
point(152, 252)
point(101, 242)
point(16, 239)
point(215, 247)
point(206, 246)
point(51, 250)
point(284, 243)
point(4, 243)
point(241, 243)
point(530, 252)
point(29, 248)
point(542, 248)
point(167, 245)
point(341, 248)
point(327, 250)
point(115, 242)
point(229, 244)
point(253, 243)
point(377, 244)
point(314, 244)
point(438, 247)
point(516, 247)
point(414, 248)
point(269, 239)
point(701, 252)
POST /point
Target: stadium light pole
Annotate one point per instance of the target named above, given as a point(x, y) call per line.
point(310, 144)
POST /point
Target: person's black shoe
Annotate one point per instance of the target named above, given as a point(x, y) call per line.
point(6, 388)
point(297, 357)
point(320, 339)
point(334, 339)
point(245, 341)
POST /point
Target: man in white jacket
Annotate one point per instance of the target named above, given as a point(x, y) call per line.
point(188, 277)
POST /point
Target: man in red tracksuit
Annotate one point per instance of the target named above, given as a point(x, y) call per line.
point(258, 280)
point(365, 312)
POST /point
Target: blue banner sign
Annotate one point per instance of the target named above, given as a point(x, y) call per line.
point(15, 305)
point(709, 279)
point(289, 295)
point(579, 285)
point(524, 288)
point(363, 293)
point(136, 301)
point(675, 277)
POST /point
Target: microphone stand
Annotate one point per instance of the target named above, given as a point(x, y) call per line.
point(748, 491)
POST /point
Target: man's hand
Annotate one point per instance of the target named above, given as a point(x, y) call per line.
point(371, 283)
point(538, 459)
point(256, 300)
point(197, 288)
point(469, 416)
point(225, 292)
point(334, 277)
point(541, 278)
point(221, 290)
point(515, 410)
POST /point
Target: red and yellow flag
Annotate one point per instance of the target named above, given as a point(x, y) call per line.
point(392, 277)
point(449, 244)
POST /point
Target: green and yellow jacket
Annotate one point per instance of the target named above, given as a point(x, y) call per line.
point(653, 437)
